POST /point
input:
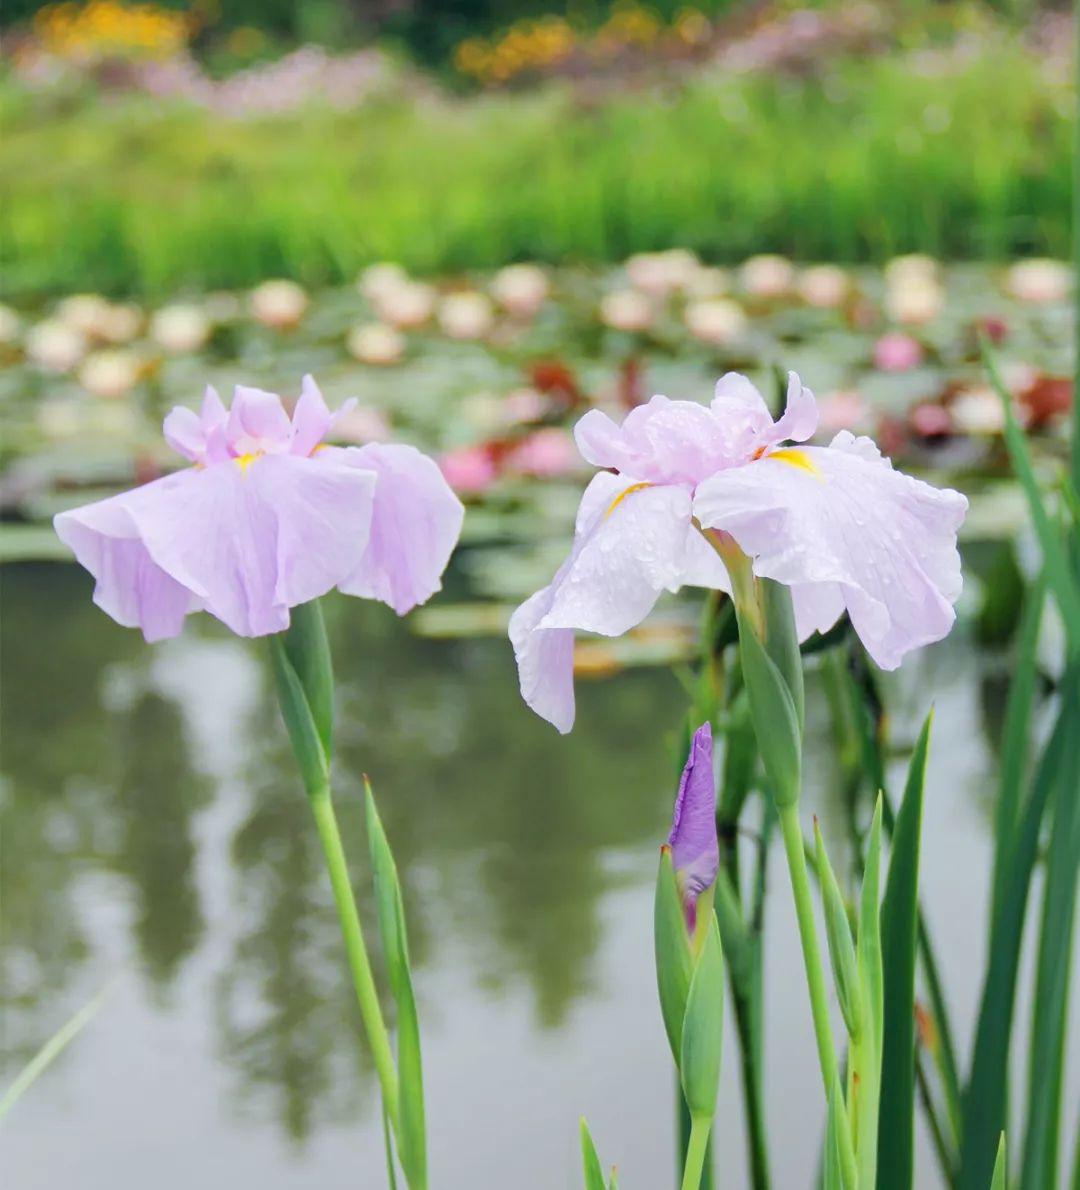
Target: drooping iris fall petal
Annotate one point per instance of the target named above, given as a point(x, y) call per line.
point(633, 540)
point(844, 530)
point(415, 526)
point(265, 520)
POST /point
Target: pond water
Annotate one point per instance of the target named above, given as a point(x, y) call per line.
point(156, 841)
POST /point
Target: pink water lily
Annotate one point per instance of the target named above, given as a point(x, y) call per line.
point(265, 518)
point(836, 524)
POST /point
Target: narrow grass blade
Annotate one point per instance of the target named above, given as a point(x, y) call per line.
point(1074, 1183)
point(590, 1161)
point(838, 936)
point(867, 1051)
point(388, 1146)
point(1060, 577)
point(984, 1099)
point(833, 1169)
point(1001, 1167)
point(945, 1050)
point(899, 945)
point(412, 1139)
point(1048, 1043)
point(51, 1050)
point(411, 1132)
point(1014, 749)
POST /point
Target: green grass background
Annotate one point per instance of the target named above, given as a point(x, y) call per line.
point(881, 155)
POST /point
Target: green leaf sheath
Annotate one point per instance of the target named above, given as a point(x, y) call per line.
point(307, 743)
point(308, 650)
point(775, 718)
point(697, 1152)
point(782, 641)
point(674, 962)
point(703, 1029)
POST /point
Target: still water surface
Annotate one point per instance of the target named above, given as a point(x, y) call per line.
point(155, 839)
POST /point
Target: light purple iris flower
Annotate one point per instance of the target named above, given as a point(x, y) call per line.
point(836, 524)
point(695, 852)
point(265, 519)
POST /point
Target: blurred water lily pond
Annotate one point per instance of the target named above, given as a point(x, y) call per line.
point(491, 371)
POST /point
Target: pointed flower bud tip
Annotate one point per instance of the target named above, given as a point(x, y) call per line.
point(695, 851)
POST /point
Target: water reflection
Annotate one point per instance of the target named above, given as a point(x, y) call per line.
point(282, 1003)
point(152, 790)
point(157, 794)
point(499, 836)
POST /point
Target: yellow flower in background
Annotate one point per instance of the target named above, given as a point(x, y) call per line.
point(106, 28)
point(537, 45)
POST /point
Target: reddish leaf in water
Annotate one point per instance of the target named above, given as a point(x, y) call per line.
point(1045, 399)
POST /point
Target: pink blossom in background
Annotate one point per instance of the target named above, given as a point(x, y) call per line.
point(469, 470)
point(843, 409)
point(265, 518)
point(836, 524)
point(296, 78)
point(546, 454)
point(897, 352)
point(524, 405)
point(930, 421)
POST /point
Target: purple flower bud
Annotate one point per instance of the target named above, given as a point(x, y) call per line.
point(695, 851)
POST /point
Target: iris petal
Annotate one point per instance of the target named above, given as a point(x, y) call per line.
point(857, 534)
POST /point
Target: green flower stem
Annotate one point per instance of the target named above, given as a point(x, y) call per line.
point(815, 973)
point(359, 965)
point(700, 1126)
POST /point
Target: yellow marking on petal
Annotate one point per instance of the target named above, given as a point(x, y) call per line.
point(797, 458)
point(634, 487)
point(245, 461)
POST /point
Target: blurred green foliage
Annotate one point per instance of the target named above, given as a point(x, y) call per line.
point(878, 157)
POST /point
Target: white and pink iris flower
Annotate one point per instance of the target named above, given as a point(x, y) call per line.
point(267, 517)
point(836, 524)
